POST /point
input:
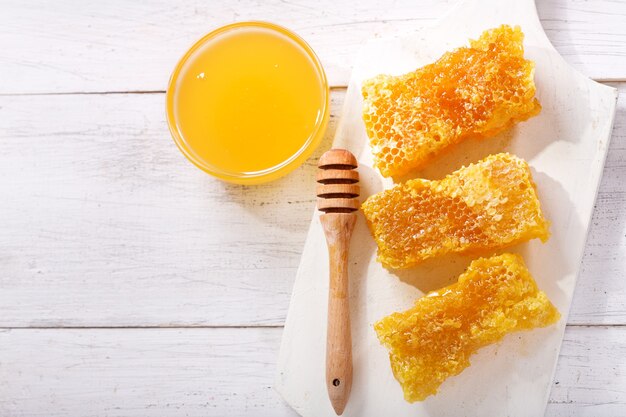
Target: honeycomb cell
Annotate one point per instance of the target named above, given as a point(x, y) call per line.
point(485, 206)
point(475, 91)
point(435, 339)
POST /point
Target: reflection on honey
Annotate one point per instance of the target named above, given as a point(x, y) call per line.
point(247, 99)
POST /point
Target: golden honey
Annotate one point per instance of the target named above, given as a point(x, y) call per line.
point(248, 103)
point(436, 338)
point(474, 91)
point(485, 206)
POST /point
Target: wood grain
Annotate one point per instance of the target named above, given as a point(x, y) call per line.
point(228, 372)
point(600, 295)
point(104, 223)
point(103, 215)
point(65, 46)
point(338, 229)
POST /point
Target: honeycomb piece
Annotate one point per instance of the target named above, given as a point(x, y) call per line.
point(435, 339)
point(474, 91)
point(485, 206)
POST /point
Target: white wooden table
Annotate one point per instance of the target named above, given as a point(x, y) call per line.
point(133, 284)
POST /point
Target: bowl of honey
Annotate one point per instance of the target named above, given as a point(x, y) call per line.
point(248, 103)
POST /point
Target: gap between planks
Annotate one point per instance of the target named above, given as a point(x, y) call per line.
point(95, 93)
point(260, 326)
point(332, 88)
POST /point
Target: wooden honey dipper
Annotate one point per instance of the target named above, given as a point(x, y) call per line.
point(337, 194)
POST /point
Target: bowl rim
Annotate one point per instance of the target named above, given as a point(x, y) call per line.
point(275, 171)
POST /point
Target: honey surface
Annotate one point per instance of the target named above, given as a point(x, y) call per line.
point(248, 100)
point(476, 91)
point(487, 205)
point(435, 339)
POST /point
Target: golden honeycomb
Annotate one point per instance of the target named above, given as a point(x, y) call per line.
point(485, 206)
point(474, 91)
point(435, 339)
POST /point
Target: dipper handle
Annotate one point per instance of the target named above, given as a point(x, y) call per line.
point(337, 194)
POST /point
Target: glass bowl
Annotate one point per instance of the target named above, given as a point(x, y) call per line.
point(176, 117)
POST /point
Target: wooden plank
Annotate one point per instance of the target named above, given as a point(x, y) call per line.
point(229, 372)
point(585, 33)
point(600, 294)
point(120, 46)
point(591, 374)
point(104, 223)
point(139, 372)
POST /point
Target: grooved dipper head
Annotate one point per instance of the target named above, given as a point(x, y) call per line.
point(338, 179)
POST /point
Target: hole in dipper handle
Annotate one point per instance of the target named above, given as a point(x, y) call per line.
point(336, 382)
